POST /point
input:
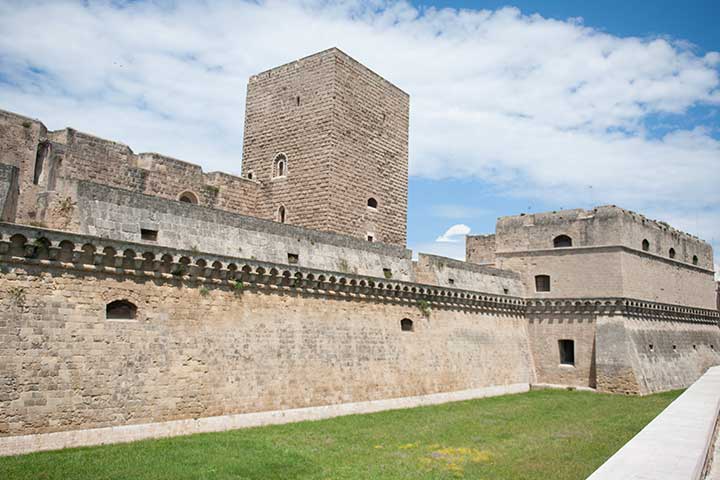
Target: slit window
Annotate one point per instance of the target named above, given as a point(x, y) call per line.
point(121, 310)
point(645, 245)
point(695, 259)
point(562, 241)
point(671, 253)
point(280, 217)
point(149, 235)
point(406, 325)
point(567, 352)
point(542, 283)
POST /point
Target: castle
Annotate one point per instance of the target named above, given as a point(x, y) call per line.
point(144, 297)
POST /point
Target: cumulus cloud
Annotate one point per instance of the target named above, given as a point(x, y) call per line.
point(539, 107)
point(455, 233)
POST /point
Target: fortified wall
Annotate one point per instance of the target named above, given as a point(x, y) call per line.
point(138, 291)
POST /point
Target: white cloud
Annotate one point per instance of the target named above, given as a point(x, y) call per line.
point(454, 234)
point(542, 108)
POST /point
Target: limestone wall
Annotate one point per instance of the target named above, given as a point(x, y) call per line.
point(8, 192)
point(199, 346)
point(448, 272)
point(121, 215)
point(480, 249)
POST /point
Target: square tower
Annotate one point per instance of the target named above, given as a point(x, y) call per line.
point(327, 138)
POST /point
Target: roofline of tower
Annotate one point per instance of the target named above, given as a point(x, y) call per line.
point(332, 49)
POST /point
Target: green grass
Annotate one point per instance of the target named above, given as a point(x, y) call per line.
point(538, 435)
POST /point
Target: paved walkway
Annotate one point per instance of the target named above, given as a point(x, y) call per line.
point(714, 473)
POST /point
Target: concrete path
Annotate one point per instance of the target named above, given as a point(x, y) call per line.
point(714, 473)
point(675, 444)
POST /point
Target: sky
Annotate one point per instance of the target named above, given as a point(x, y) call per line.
point(515, 106)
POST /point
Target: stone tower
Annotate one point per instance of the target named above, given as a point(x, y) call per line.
point(328, 140)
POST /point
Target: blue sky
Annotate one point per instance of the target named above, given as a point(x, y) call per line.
point(515, 106)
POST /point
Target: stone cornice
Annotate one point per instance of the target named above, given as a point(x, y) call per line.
point(50, 249)
point(53, 249)
point(628, 307)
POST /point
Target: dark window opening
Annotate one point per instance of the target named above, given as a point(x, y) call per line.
point(150, 235)
point(297, 101)
point(694, 347)
point(120, 310)
point(542, 283)
point(406, 325)
point(695, 259)
point(674, 348)
point(281, 214)
point(506, 291)
point(249, 175)
point(671, 253)
point(651, 347)
point(43, 151)
point(293, 258)
point(562, 241)
point(567, 352)
point(370, 238)
point(451, 281)
point(280, 166)
point(645, 245)
point(372, 203)
point(188, 197)
point(387, 273)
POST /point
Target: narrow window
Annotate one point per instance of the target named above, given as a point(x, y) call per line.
point(293, 258)
point(674, 348)
point(651, 347)
point(249, 175)
point(567, 352)
point(542, 283)
point(43, 151)
point(372, 203)
point(120, 310)
point(297, 101)
point(451, 281)
point(280, 216)
point(370, 238)
point(671, 253)
point(562, 241)
point(280, 166)
point(406, 325)
point(188, 197)
point(695, 259)
point(506, 291)
point(645, 245)
point(149, 235)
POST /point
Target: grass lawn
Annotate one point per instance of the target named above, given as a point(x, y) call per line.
point(538, 435)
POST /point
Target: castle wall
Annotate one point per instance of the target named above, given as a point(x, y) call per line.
point(448, 272)
point(601, 226)
point(8, 192)
point(647, 355)
point(199, 347)
point(480, 249)
point(370, 158)
point(118, 214)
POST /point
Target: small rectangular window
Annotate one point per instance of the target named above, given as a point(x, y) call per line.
point(542, 283)
point(387, 273)
point(370, 238)
point(293, 258)
point(567, 352)
point(451, 281)
point(149, 235)
point(506, 291)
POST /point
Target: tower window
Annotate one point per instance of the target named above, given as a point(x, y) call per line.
point(542, 283)
point(567, 352)
point(695, 260)
point(671, 253)
point(562, 241)
point(280, 166)
point(149, 235)
point(293, 258)
point(370, 237)
point(188, 197)
point(645, 245)
point(372, 203)
point(249, 175)
point(406, 325)
point(280, 216)
point(120, 310)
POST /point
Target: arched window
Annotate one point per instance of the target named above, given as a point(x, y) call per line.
point(671, 253)
point(645, 245)
point(280, 166)
point(695, 259)
point(406, 325)
point(280, 215)
point(562, 241)
point(372, 203)
point(542, 283)
point(120, 310)
point(250, 175)
point(188, 197)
